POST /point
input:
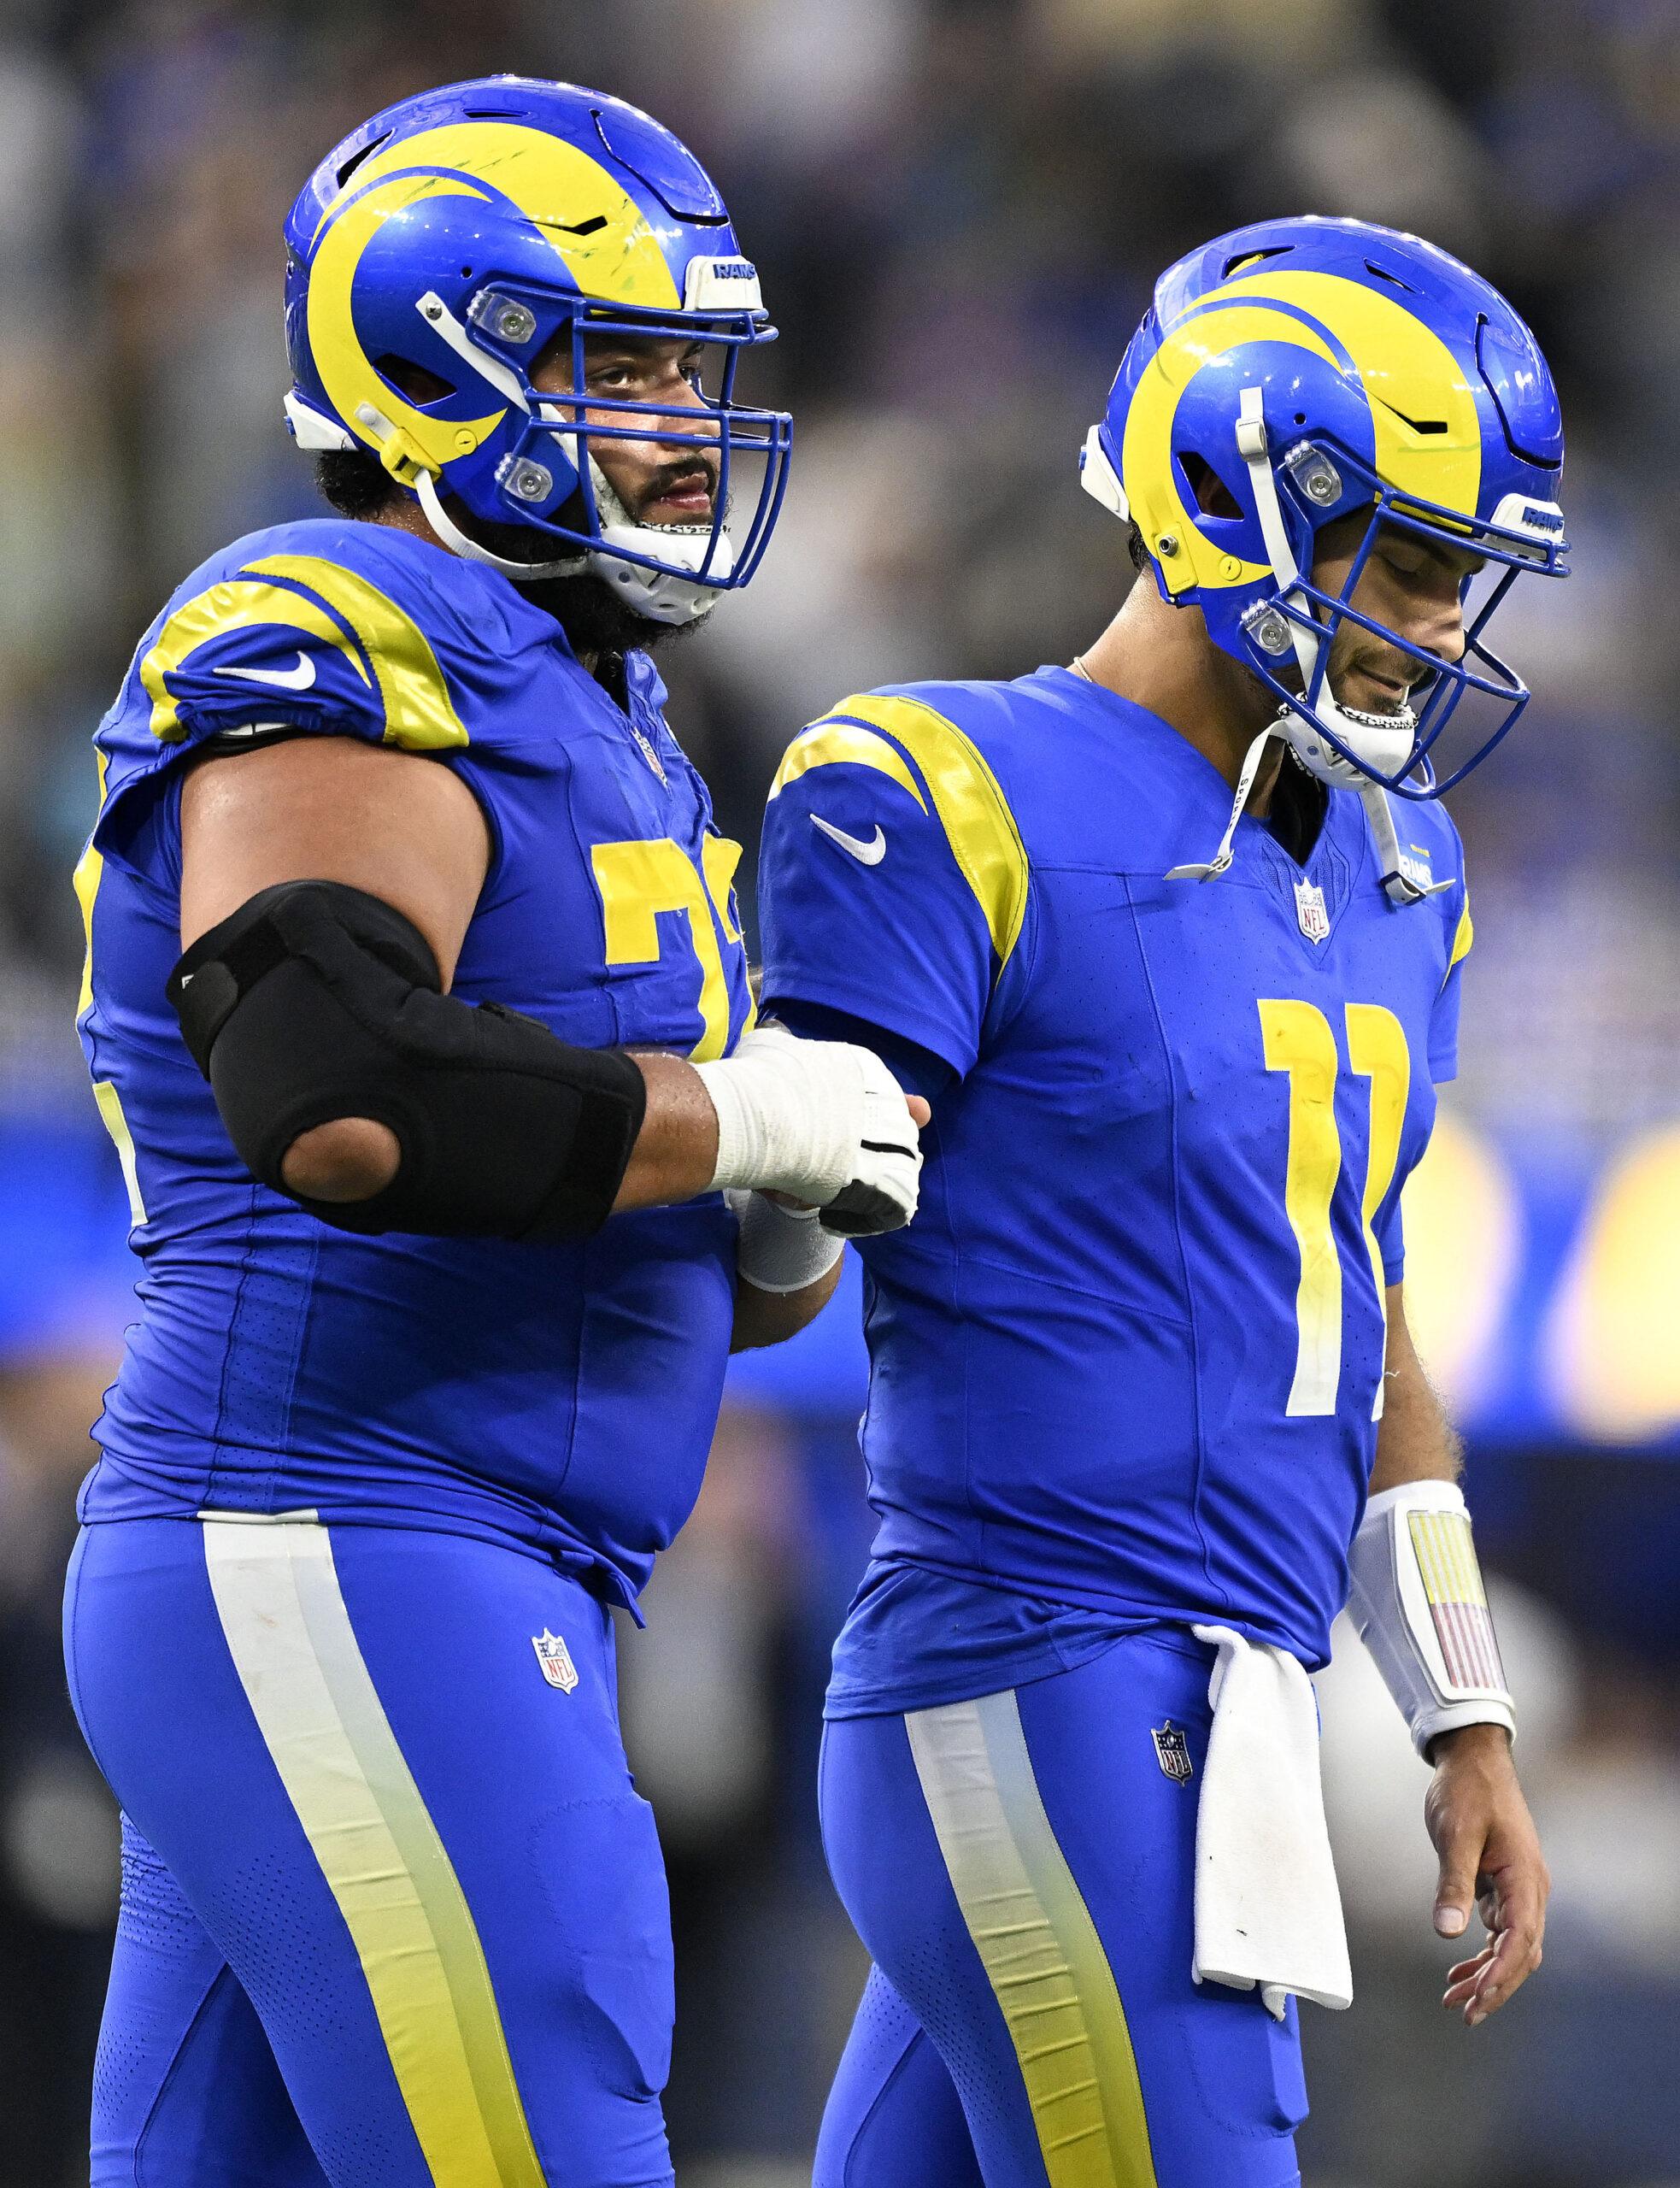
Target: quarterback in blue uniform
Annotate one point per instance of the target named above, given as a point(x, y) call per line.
point(427, 1136)
point(1170, 940)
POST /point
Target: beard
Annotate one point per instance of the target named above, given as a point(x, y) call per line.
point(595, 618)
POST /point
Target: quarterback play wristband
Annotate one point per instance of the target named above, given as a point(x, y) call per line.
point(782, 1249)
point(1417, 1597)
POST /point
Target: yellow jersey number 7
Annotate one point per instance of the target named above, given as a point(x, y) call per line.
point(639, 880)
point(1298, 1039)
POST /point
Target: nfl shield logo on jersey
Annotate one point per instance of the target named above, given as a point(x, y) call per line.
point(1172, 1752)
point(555, 1658)
point(1309, 910)
point(649, 754)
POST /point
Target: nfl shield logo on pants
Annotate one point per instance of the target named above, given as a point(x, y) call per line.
point(555, 1658)
point(1172, 1752)
point(1309, 910)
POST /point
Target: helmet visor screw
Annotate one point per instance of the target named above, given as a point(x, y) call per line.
point(1268, 628)
point(1167, 544)
point(525, 480)
point(1312, 471)
point(503, 317)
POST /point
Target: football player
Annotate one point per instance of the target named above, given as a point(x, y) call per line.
point(1170, 939)
point(426, 1135)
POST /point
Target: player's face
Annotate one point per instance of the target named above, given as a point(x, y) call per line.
point(657, 484)
point(1410, 586)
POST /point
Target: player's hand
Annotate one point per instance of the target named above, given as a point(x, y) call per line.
point(1489, 1853)
point(824, 1123)
point(882, 1193)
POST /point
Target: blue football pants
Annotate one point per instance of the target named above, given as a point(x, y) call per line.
point(1022, 1870)
point(393, 1914)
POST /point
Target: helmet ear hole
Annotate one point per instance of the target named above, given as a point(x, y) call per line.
point(1212, 497)
point(418, 383)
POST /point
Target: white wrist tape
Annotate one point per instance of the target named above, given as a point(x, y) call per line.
point(822, 1121)
point(789, 1115)
point(1417, 1597)
point(782, 1249)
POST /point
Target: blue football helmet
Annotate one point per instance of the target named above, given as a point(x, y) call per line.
point(464, 231)
point(1318, 367)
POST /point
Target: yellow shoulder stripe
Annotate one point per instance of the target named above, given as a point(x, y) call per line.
point(1463, 939)
point(971, 808)
point(235, 604)
point(420, 715)
point(831, 743)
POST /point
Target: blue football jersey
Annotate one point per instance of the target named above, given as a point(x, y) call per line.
point(560, 1395)
point(1128, 1358)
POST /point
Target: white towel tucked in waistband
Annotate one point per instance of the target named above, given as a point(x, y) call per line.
point(1267, 1909)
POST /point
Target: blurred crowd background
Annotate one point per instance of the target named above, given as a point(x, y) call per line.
point(958, 207)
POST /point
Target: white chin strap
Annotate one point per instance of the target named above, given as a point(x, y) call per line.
point(1382, 742)
point(662, 596)
point(1211, 869)
point(455, 539)
point(1397, 885)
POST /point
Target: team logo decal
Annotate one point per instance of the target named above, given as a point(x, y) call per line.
point(1172, 1752)
point(555, 1658)
point(1309, 910)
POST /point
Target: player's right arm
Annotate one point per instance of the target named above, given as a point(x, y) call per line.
point(893, 884)
point(358, 869)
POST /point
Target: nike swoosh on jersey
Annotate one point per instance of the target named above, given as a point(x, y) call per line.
point(870, 854)
point(289, 680)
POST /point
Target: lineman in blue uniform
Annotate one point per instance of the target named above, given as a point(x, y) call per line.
point(404, 1412)
point(1171, 940)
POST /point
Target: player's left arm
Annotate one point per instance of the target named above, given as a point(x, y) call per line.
point(763, 1317)
point(1475, 1813)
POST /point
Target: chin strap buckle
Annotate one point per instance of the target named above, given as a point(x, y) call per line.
point(399, 452)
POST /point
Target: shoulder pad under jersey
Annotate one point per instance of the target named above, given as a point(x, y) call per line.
point(355, 628)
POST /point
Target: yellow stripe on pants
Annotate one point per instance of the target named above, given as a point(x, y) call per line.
point(290, 1636)
point(1037, 1941)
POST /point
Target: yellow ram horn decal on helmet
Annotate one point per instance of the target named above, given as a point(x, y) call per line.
point(559, 190)
point(1146, 459)
point(1407, 374)
point(347, 373)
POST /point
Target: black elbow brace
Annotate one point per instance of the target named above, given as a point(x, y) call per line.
point(316, 1002)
